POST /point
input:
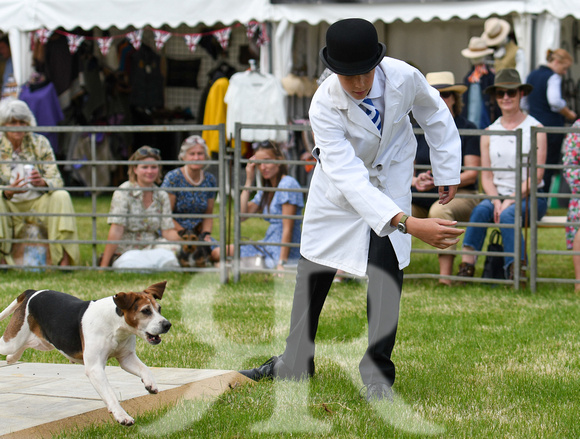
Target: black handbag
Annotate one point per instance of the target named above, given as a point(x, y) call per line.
point(493, 266)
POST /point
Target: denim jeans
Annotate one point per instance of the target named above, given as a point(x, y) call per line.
point(483, 213)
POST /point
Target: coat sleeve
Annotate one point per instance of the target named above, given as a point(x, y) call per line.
point(432, 114)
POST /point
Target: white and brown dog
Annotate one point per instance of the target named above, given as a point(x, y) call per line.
point(88, 332)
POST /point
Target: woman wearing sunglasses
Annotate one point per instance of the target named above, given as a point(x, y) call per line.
point(500, 152)
point(141, 213)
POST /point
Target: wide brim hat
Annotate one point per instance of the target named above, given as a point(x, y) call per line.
point(445, 81)
point(352, 47)
point(495, 31)
point(477, 48)
point(508, 79)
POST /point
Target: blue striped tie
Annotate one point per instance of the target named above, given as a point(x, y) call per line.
point(372, 111)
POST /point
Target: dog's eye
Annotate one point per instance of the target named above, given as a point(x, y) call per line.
point(147, 311)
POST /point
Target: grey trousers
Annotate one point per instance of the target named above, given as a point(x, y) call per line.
point(313, 281)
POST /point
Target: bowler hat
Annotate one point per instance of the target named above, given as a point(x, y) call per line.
point(508, 79)
point(352, 47)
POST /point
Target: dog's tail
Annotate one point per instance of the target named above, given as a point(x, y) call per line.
point(8, 311)
point(12, 307)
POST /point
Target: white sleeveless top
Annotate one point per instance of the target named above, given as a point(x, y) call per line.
point(502, 153)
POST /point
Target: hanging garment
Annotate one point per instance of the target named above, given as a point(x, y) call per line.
point(215, 112)
point(256, 98)
point(44, 104)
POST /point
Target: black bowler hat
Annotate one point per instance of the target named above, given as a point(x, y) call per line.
point(352, 47)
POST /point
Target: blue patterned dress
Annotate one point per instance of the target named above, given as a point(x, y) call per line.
point(274, 232)
point(189, 202)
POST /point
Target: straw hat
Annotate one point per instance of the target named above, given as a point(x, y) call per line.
point(445, 81)
point(477, 48)
point(508, 79)
point(293, 85)
point(495, 31)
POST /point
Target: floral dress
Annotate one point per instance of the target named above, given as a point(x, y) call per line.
point(141, 224)
point(189, 202)
point(571, 158)
point(271, 253)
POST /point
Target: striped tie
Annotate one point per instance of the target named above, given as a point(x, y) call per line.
point(372, 111)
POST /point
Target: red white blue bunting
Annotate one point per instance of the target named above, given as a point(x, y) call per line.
point(254, 30)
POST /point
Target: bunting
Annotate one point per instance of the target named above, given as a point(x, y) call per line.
point(161, 38)
point(74, 42)
point(223, 36)
point(254, 30)
point(43, 35)
point(191, 40)
point(104, 44)
point(135, 38)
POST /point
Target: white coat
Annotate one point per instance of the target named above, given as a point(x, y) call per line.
point(362, 178)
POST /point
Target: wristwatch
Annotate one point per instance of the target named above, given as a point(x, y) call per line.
point(402, 226)
point(281, 262)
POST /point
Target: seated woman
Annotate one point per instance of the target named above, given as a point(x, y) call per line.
point(458, 209)
point(24, 191)
point(273, 203)
point(192, 175)
point(144, 223)
point(500, 152)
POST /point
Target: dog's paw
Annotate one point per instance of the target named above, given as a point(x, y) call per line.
point(123, 418)
point(152, 389)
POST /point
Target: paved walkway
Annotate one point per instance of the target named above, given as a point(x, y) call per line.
point(39, 399)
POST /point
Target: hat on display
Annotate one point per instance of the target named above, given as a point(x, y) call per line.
point(508, 79)
point(445, 81)
point(495, 31)
point(477, 48)
point(352, 47)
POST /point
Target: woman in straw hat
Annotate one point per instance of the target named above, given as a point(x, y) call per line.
point(500, 152)
point(459, 209)
point(477, 107)
point(546, 103)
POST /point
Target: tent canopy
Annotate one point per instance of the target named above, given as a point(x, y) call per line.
point(27, 15)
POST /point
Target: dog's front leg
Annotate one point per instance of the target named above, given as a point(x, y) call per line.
point(95, 370)
point(130, 362)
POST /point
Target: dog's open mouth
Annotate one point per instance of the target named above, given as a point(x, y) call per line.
point(153, 339)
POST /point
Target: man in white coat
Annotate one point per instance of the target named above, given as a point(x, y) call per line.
point(357, 215)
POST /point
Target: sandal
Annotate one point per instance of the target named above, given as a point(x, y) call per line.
point(466, 269)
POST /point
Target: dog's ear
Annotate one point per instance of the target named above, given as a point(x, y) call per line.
point(156, 290)
point(124, 300)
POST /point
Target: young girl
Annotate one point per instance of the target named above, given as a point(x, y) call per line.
point(278, 202)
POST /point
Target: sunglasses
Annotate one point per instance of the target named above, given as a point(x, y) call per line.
point(445, 94)
point(145, 151)
point(512, 93)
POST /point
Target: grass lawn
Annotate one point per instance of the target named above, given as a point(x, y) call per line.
point(472, 361)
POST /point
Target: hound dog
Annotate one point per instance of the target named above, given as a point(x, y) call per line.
point(192, 255)
point(88, 332)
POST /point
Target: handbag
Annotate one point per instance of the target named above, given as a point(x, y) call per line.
point(493, 265)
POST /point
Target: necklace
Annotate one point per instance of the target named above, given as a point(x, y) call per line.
point(190, 179)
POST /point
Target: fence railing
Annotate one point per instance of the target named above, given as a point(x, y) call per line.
point(230, 165)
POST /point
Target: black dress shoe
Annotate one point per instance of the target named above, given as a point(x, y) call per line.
point(378, 392)
point(266, 370)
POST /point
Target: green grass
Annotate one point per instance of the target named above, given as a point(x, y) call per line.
point(472, 361)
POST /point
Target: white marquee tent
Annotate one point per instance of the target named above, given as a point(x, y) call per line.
point(535, 21)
